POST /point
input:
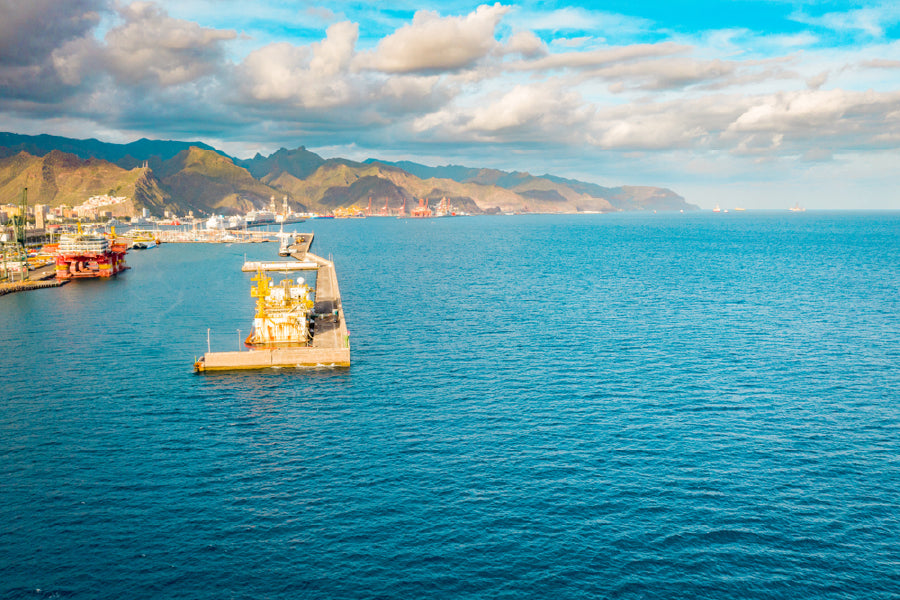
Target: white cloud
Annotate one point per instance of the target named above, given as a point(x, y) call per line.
point(30, 33)
point(321, 12)
point(524, 114)
point(432, 43)
point(871, 20)
point(525, 43)
point(75, 58)
point(817, 81)
point(572, 18)
point(817, 112)
point(601, 57)
point(311, 76)
point(545, 108)
point(880, 63)
point(786, 124)
point(574, 42)
point(646, 132)
point(668, 73)
point(149, 48)
point(409, 94)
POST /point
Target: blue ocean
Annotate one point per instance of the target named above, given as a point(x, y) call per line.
point(670, 406)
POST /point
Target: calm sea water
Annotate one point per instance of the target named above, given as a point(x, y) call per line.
point(616, 406)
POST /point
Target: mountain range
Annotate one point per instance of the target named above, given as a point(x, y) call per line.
point(191, 176)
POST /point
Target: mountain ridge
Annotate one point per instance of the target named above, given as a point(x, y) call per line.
point(192, 176)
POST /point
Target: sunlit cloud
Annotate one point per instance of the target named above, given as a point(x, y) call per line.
point(869, 20)
point(313, 76)
point(433, 43)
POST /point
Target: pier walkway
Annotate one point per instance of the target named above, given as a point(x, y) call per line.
point(331, 330)
point(8, 287)
point(43, 277)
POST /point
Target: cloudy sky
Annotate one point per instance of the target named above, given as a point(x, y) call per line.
point(753, 103)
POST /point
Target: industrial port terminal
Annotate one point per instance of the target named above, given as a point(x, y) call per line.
point(291, 328)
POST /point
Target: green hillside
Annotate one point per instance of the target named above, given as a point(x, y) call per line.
point(58, 179)
point(206, 182)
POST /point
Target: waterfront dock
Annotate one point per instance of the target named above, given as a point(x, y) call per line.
point(330, 346)
point(41, 278)
point(8, 287)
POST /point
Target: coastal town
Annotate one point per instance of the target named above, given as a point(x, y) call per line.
point(44, 246)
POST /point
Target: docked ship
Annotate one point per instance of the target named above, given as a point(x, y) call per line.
point(289, 218)
point(284, 313)
point(143, 244)
point(259, 217)
point(142, 239)
point(422, 211)
point(216, 223)
point(444, 209)
point(89, 255)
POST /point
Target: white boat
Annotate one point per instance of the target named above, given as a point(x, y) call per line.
point(797, 208)
point(216, 222)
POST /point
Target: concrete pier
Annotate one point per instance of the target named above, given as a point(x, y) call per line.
point(331, 343)
point(276, 357)
point(43, 277)
point(8, 287)
point(252, 266)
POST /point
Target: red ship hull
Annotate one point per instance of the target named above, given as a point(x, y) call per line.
point(88, 265)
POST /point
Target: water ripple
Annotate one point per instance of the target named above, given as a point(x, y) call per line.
point(619, 406)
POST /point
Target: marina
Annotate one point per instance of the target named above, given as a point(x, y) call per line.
point(213, 236)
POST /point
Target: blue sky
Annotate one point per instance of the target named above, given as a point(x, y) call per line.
point(758, 104)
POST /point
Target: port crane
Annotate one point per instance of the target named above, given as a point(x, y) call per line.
point(15, 257)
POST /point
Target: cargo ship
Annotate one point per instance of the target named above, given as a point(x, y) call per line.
point(259, 217)
point(87, 255)
point(284, 313)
